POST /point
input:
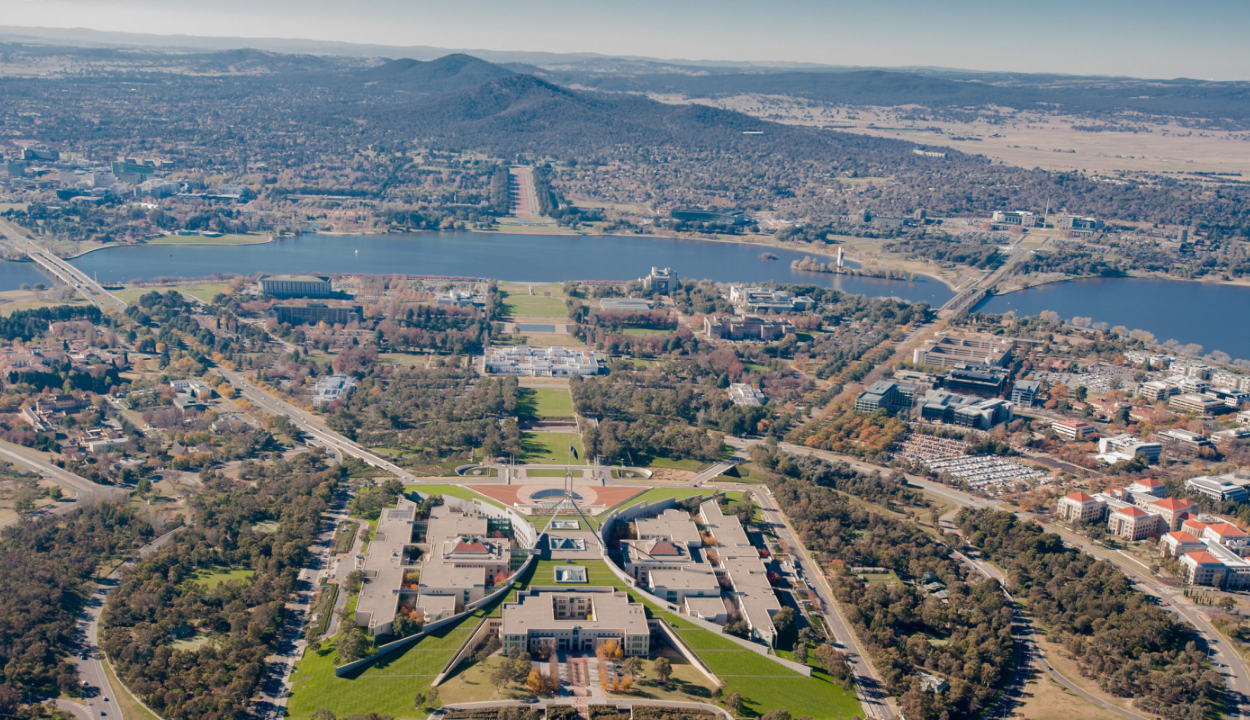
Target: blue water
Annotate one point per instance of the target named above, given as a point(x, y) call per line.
point(1209, 314)
point(533, 258)
point(15, 274)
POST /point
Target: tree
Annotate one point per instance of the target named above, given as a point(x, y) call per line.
point(354, 580)
point(431, 698)
point(353, 646)
point(733, 703)
point(778, 715)
point(633, 666)
point(536, 682)
point(323, 714)
point(784, 621)
point(800, 652)
point(833, 661)
point(663, 669)
point(419, 700)
point(403, 625)
point(609, 651)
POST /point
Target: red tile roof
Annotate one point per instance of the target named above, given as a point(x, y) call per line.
point(1133, 512)
point(1079, 497)
point(1227, 530)
point(1203, 557)
point(1183, 537)
point(1149, 482)
point(1195, 525)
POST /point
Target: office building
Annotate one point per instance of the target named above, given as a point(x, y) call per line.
point(747, 576)
point(1024, 392)
point(1132, 523)
point(759, 299)
point(1184, 442)
point(331, 388)
point(296, 286)
point(1079, 507)
point(750, 327)
point(743, 394)
point(1179, 543)
point(1196, 404)
point(540, 362)
point(1018, 218)
point(545, 621)
point(663, 281)
point(1156, 391)
point(886, 395)
point(944, 350)
point(385, 567)
point(978, 379)
point(1077, 430)
point(965, 410)
point(1220, 488)
point(312, 314)
point(1126, 447)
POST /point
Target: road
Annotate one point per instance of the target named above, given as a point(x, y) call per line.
point(310, 424)
point(867, 684)
point(85, 489)
point(1233, 667)
point(275, 685)
point(62, 270)
point(99, 693)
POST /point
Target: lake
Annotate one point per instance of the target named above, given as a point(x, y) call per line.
point(1209, 314)
point(526, 258)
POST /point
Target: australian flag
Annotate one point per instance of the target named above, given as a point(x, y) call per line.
point(574, 451)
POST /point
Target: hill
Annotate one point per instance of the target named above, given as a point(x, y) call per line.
point(446, 74)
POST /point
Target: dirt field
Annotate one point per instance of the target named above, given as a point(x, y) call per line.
point(1023, 139)
point(1045, 699)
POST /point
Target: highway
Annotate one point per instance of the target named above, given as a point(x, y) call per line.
point(85, 489)
point(62, 270)
point(309, 424)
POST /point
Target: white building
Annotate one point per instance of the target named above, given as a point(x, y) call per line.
point(576, 621)
point(540, 362)
point(1126, 447)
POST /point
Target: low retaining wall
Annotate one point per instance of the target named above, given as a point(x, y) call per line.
point(674, 639)
point(480, 634)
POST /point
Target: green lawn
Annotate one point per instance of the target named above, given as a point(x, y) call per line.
point(212, 577)
point(643, 332)
point(456, 491)
point(552, 473)
point(551, 448)
point(656, 494)
point(545, 403)
point(203, 291)
point(227, 239)
point(597, 573)
point(534, 306)
point(691, 465)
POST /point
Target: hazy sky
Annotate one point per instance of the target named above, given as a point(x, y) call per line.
point(1143, 38)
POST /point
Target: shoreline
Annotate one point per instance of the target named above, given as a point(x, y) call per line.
point(1165, 278)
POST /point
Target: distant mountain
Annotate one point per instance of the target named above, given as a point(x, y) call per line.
point(453, 72)
point(522, 113)
point(1171, 98)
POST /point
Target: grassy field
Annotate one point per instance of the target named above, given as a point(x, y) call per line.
point(1045, 699)
point(455, 491)
point(765, 685)
point(679, 493)
point(227, 239)
point(545, 403)
point(691, 465)
point(552, 473)
point(212, 577)
point(551, 448)
point(203, 291)
point(643, 332)
point(534, 306)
